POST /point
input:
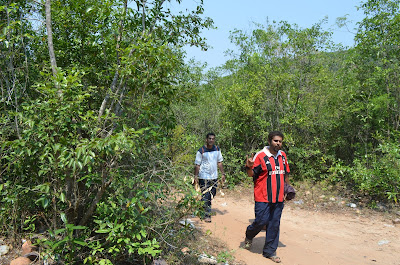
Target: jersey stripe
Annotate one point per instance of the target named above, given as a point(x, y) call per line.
point(269, 177)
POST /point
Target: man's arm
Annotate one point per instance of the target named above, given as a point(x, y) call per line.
point(249, 172)
point(196, 173)
point(287, 178)
point(221, 169)
point(249, 166)
point(287, 170)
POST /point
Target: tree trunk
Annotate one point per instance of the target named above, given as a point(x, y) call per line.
point(50, 38)
point(116, 75)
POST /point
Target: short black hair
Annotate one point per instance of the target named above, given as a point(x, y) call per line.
point(273, 134)
point(208, 134)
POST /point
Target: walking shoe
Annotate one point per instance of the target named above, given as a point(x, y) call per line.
point(274, 258)
point(207, 219)
point(247, 243)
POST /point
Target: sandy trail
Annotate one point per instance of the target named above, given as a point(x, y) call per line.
point(307, 237)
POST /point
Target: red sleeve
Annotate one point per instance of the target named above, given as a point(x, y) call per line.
point(286, 163)
point(259, 161)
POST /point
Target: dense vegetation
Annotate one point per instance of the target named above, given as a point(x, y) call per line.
point(101, 117)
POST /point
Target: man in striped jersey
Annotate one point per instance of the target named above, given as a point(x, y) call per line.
point(269, 169)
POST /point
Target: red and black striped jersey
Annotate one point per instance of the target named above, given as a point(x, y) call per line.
point(269, 176)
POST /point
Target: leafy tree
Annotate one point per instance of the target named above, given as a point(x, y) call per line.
point(85, 158)
point(373, 111)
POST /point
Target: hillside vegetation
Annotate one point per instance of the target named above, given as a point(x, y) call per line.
point(101, 118)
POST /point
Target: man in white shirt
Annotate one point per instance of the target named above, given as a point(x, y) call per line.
point(208, 161)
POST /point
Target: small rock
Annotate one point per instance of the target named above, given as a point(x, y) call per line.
point(383, 242)
point(185, 250)
point(48, 260)
point(224, 204)
point(187, 222)
point(381, 206)
point(4, 249)
point(28, 247)
point(21, 261)
point(352, 205)
point(204, 259)
point(308, 192)
point(396, 221)
point(33, 256)
point(332, 199)
point(159, 262)
point(299, 202)
point(322, 196)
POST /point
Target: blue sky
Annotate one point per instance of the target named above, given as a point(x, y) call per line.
point(239, 14)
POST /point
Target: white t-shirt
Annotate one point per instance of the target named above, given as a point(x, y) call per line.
point(208, 160)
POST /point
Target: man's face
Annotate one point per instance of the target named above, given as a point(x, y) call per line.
point(210, 140)
point(276, 144)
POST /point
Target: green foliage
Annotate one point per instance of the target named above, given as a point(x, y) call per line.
point(234, 166)
point(376, 104)
point(336, 107)
point(65, 168)
point(99, 154)
point(309, 164)
point(375, 175)
point(66, 243)
point(225, 256)
point(78, 145)
point(121, 223)
point(182, 146)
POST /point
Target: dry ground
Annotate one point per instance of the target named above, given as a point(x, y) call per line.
point(322, 230)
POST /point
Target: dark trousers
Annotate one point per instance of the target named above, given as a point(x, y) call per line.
point(268, 214)
point(208, 190)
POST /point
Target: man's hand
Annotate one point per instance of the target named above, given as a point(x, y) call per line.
point(249, 161)
point(249, 165)
point(195, 180)
point(196, 175)
point(223, 179)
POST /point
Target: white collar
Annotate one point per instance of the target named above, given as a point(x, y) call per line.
point(268, 153)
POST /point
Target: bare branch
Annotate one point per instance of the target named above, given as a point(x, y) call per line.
point(39, 3)
point(96, 200)
point(143, 16)
point(50, 38)
point(116, 75)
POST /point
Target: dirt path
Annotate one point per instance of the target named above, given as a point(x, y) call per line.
point(307, 237)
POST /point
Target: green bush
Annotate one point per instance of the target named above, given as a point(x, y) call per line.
point(375, 175)
point(309, 164)
point(234, 162)
point(99, 198)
